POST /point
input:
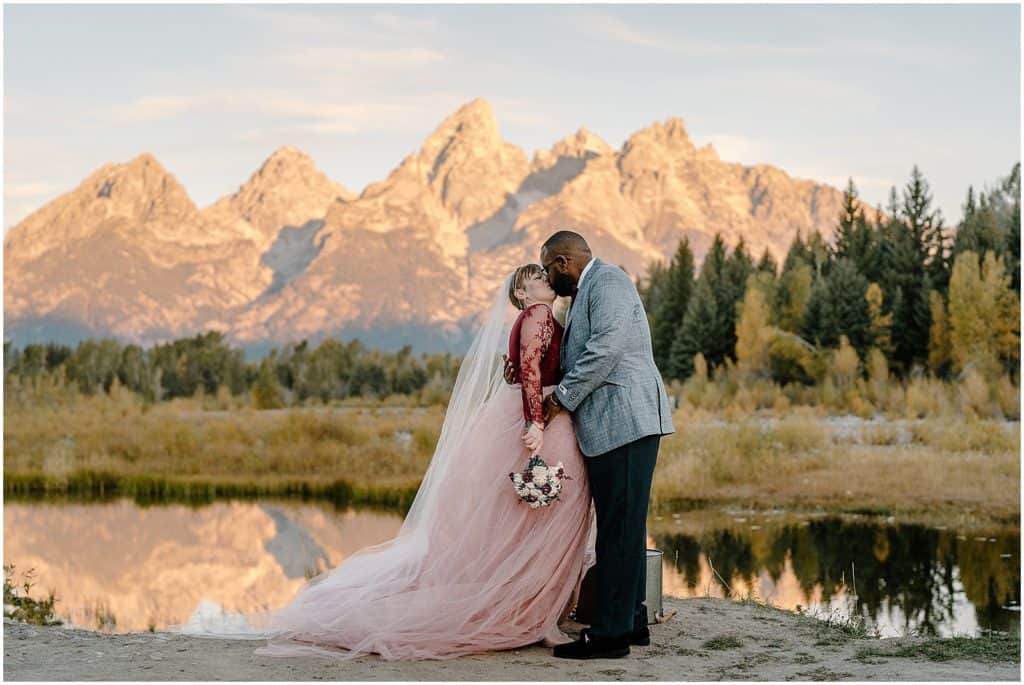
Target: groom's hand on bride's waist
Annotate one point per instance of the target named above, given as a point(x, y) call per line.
point(510, 370)
point(551, 408)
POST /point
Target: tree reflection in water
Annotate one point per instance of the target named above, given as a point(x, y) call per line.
point(925, 578)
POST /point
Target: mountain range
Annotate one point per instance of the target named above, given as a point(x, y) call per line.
point(412, 259)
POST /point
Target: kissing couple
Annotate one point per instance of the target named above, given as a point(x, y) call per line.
point(475, 568)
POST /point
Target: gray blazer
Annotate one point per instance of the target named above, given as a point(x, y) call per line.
point(610, 382)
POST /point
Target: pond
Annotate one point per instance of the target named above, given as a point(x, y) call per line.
point(117, 566)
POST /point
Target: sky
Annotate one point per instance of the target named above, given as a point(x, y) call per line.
point(823, 92)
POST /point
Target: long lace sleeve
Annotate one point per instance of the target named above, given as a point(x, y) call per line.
point(538, 327)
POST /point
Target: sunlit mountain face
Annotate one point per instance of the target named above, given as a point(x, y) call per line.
point(412, 259)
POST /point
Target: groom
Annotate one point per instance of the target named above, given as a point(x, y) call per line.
point(620, 411)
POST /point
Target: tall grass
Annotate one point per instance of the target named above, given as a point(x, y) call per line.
point(842, 391)
point(931, 466)
point(737, 441)
point(71, 443)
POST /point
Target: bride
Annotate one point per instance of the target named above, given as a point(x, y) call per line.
point(473, 567)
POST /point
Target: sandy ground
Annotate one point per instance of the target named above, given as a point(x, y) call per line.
point(772, 645)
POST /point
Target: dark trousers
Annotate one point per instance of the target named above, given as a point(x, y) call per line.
point(620, 483)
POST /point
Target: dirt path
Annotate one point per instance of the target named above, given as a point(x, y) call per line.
point(753, 643)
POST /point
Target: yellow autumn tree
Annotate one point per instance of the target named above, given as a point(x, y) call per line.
point(845, 363)
point(938, 334)
point(753, 332)
point(984, 314)
point(794, 290)
point(881, 324)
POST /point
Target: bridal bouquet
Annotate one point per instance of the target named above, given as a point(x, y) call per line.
point(539, 484)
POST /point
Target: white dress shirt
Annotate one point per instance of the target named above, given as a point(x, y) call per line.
point(583, 274)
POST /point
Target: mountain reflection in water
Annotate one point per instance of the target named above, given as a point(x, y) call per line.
point(121, 567)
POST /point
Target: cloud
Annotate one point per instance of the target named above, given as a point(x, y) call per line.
point(617, 30)
point(374, 28)
point(159, 107)
point(312, 114)
point(28, 189)
point(821, 43)
point(613, 28)
point(520, 112)
point(733, 147)
point(820, 171)
point(866, 185)
point(360, 60)
point(16, 212)
point(291, 21)
point(396, 23)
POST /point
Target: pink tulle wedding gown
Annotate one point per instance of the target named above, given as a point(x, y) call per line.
point(482, 570)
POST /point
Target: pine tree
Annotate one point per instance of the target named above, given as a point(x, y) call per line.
point(926, 230)
point(737, 269)
point(853, 234)
point(797, 253)
point(767, 263)
point(670, 308)
point(813, 326)
point(993, 223)
point(881, 257)
point(821, 254)
point(1011, 189)
point(698, 331)
point(846, 311)
point(792, 295)
point(909, 278)
point(709, 327)
point(651, 287)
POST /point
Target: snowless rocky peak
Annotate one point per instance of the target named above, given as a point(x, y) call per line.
point(293, 254)
point(287, 190)
point(669, 137)
point(468, 165)
point(581, 145)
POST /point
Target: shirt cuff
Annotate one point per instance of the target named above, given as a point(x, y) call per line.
point(566, 397)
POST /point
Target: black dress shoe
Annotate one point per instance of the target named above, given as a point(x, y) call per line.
point(640, 637)
point(589, 647)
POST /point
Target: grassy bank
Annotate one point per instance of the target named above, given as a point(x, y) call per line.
point(810, 461)
point(799, 457)
point(100, 445)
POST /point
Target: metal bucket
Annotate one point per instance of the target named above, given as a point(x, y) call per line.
point(584, 611)
point(652, 598)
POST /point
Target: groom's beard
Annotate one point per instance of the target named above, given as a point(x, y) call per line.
point(562, 284)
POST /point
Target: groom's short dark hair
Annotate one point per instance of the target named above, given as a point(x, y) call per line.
point(566, 242)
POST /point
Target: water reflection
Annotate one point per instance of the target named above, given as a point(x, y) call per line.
point(120, 567)
point(903, 578)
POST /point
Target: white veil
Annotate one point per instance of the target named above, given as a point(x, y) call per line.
point(479, 377)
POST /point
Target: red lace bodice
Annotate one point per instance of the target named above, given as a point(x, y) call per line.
point(533, 348)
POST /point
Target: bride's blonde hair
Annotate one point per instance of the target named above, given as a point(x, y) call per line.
point(519, 278)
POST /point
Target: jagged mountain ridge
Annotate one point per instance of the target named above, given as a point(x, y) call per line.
point(411, 259)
